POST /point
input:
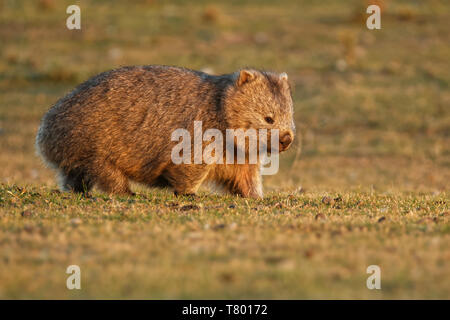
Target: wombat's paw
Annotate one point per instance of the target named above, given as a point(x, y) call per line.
point(127, 194)
point(254, 196)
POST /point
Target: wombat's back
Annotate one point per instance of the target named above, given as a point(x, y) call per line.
point(125, 117)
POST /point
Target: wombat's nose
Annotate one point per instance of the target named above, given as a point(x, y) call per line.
point(285, 140)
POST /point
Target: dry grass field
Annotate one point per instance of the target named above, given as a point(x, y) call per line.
point(367, 182)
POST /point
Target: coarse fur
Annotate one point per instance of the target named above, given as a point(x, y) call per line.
point(117, 127)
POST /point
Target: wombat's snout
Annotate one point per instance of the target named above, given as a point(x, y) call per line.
point(286, 140)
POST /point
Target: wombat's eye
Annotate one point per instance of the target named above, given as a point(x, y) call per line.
point(269, 120)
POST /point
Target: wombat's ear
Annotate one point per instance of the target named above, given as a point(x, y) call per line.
point(283, 76)
point(245, 76)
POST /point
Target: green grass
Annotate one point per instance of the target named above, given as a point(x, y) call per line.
point(292, 245)
point(373, 142)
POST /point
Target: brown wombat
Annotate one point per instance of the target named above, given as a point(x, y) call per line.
point(117, 127)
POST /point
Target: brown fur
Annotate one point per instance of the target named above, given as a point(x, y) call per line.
point(117, 127)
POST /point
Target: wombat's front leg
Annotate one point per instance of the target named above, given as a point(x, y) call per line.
point(242, 179)
point(186, 179)
point(247, 181)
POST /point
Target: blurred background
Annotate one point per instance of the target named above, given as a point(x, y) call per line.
point(371, 106)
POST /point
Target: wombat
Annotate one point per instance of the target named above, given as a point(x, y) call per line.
point(117, 127)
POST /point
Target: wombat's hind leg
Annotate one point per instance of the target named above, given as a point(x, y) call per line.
point(111, 180)
point(76, 180)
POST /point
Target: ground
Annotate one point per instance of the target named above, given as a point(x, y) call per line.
point(366, 183)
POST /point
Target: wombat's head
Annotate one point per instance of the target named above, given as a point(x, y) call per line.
point(261, 100)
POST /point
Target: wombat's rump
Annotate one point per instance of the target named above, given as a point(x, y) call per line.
point(117, 127)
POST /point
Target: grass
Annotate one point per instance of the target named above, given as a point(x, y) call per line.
point(366, 182)
point(297, 245)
